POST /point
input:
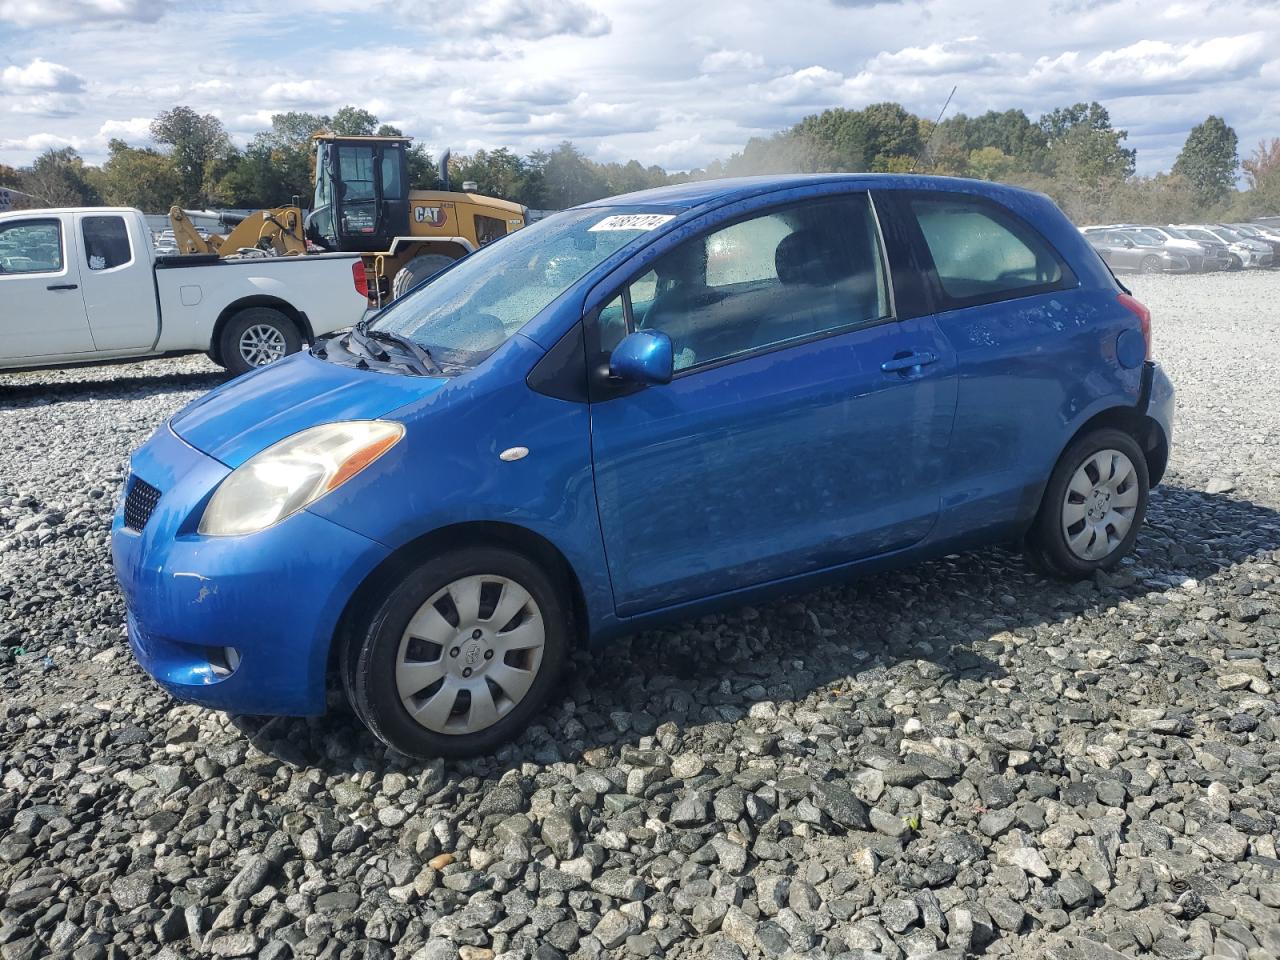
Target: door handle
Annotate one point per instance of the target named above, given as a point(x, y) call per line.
point(61, 286)
point(909, 362)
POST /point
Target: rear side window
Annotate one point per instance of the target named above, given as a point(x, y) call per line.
point(982, 253)
point(106, 242)
point(31, 246)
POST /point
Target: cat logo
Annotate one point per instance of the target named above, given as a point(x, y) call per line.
point(432, 216)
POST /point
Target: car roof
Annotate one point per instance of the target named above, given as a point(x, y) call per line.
point(697, 193)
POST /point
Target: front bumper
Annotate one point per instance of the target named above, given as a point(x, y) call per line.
point(275, 596)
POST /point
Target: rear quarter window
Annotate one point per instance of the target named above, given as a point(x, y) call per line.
point(982, 253)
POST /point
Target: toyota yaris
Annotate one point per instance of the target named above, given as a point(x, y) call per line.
point(634, 410)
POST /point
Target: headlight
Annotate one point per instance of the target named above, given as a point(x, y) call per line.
point(297, 471)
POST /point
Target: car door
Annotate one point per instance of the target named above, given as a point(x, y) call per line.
point(115, 276)
point(806, 423)
point(1029, 343)
point(41, 308)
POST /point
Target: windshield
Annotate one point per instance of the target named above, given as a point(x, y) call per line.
point(1176, 234)
point(464, 314)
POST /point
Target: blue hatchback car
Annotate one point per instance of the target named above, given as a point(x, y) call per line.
point(632, 411)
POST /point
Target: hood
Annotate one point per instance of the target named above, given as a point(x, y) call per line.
point(252, 412)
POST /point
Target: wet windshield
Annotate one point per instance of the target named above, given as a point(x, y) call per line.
point(466, 313)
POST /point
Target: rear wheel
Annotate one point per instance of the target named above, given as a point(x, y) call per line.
point(255, 337)
point(1093, 506)
point(460, 656)
point(415, 271)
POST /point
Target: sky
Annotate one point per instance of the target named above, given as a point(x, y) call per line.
point(671, 82)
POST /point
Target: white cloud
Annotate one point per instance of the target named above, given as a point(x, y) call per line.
point(38, 143)
point(135, 128)
point(40, 76)
point(666, 81)
point(33, 13)
point(943, 57)
point(731, 61)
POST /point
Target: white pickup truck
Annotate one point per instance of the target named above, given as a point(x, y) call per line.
point(83, 285)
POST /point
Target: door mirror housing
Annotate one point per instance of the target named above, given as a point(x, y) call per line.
point(643, 357)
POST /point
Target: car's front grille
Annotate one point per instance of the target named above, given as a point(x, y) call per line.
point(139, 503)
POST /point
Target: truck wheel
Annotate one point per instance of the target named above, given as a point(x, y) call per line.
point(1093, 506)
point(460, 656)
point(417, 270)
point(255, 337)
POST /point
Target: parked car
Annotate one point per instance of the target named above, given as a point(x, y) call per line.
point(82, 285)
point(1214, 252)
point(1243, 252)
point(1257, 235)
point(1131, 251)
point(631, 412)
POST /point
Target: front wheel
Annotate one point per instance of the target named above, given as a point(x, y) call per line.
point(1150, 264)
point(255, 337)
point(460, 655)
point(1093, 506)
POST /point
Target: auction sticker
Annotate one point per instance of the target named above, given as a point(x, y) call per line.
point(632, 221)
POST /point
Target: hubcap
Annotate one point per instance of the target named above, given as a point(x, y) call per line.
point(1100, 504)
point(262, 344)
point(470, 654)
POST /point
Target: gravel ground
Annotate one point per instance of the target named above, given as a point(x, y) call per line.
point(959, 759)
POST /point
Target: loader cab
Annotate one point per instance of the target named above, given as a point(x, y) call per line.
point(362, 193)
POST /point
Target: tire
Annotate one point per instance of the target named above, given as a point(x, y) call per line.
point(1081, 525)
point(1150, 264)
point(417, 270)
point(255, 337)
point(449, 650)
point(1235, 263)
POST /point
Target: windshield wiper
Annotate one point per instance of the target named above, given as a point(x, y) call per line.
point(359, 336)
point(419, 353)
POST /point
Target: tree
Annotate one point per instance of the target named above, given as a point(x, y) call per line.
point(1262, 170)
point(1209, 160)
point(139, 177)
point(59, 178)
point(197, 142)
point(990, 163)
point(570, 178)
point(1081, 139)
point(353, 122)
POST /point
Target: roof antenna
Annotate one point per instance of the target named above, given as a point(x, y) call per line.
point(932, 133)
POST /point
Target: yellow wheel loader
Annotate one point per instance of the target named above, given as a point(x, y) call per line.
point(363, 204)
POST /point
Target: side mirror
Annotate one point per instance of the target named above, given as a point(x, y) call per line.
point(643, 357)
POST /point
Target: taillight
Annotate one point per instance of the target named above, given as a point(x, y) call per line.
point(1139, 310)
point(361, 279)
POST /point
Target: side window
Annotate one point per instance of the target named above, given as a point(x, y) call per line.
point(982, 253)
point(31, 246)
point(106, 242)
point(790, 274)
point(489, 229)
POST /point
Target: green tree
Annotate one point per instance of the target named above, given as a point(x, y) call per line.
point(1262, 170)
point(1209, 160)
point(353, 122)
point(990, 163)
point(59, 178)
point(1081, 138)
point(139, 177)
point(197, 142)
point(569, 178)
